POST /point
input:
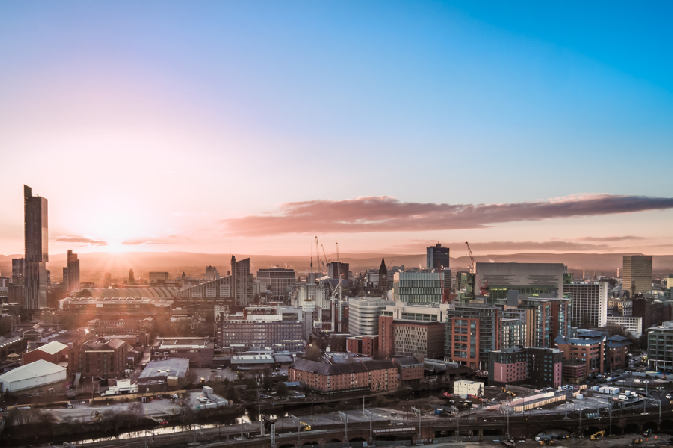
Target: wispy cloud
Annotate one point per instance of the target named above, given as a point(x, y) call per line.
point(81, 240)
point(486, 246)
point(387, 214)
point(141, 242)
point(612, 238)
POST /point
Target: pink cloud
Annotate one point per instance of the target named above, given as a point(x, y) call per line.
point(81, 240)
point(387, 214)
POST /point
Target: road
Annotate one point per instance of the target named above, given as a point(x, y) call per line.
point(83, 411)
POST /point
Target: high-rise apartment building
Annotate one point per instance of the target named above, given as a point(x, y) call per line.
point(472, 332)
point(280, 281)
point(71, 272)
point(241, 281)
point(36, 229)
point(437, 257)
point(637, 274)
point(589, 303)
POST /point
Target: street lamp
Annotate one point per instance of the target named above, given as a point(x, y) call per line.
point(418, 413)
point(370, 415)
point(344, 418)
point(295, 419)
point(506, 412)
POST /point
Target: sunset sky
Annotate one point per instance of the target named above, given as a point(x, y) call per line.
point(251, 126)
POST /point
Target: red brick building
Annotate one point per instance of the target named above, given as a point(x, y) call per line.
point(364, 345)
point(107, 359)
point(386, 337)
point(54, 352)
point(588, 347)
point(411, 369)
point(340, 377)
point(617, 350)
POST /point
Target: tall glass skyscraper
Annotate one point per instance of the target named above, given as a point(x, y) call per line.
point(36, 235)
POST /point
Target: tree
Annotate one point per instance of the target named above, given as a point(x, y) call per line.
point(281, 389)
point(313, 353)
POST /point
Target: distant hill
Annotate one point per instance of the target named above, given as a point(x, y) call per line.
point(95, 265)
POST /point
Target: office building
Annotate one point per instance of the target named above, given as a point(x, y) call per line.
point(257, 329)
point(423, 313)
point(420, 288)
point(587, 346)
point(437, 257)
point(660, 347)
point(241, 281)
point(637, 274)
point(472, 332)
point(363, 315)
point(538, 367)
point(589, 303)
point(280, 281)
point(36, 233)
point(419, 338)
point(71, 272)
point(634, 325)
point(530, 279)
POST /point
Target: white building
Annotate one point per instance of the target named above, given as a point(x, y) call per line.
point(465, 387)
point(423, 313)
point(35, 374)
point(633, 325)
point(363, 315)
point(589, 303)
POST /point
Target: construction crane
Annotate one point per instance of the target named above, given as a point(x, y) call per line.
point(473, 268)
point(482, 289)
point(323, 254)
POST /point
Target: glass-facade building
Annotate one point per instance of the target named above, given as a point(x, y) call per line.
point(419, 288)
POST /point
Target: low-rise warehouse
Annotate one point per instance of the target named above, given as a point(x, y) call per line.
point(35, 374)
point(170, 371)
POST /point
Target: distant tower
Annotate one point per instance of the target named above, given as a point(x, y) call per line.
point(36, 233)
point(437, 257)
point(71, 272)
point(383, 277)
point(132, 278)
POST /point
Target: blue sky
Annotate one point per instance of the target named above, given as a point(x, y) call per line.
point(189, 113)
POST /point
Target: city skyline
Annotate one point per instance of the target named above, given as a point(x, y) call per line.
point(232, 128)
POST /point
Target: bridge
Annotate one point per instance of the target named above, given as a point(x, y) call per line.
point(407, 433)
